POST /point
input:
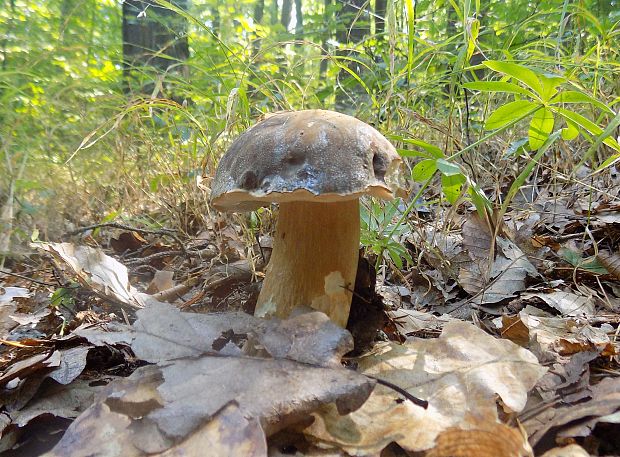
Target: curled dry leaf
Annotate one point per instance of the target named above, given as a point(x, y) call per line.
point(580, 419)
point(411, 321)
point(567, 303)
point(548, 336)
point(97, 271)
point(611, 262)
point(492, 282)
point(9, 293)
point(461, 374)
point(66, 401)
point(8, 308)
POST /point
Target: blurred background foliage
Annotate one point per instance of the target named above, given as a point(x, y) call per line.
point(114, 110)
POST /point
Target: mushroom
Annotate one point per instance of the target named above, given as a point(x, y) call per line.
point(315, 164)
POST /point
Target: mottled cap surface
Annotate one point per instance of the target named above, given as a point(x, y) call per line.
point(311, 155)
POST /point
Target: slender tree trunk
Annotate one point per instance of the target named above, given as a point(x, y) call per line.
point(287, 9)
point(5, 41)
point(327, 34)
point(217, 19)
point(299, 15)
point(259, 12)
point(274, 12)
point(353, 25)
point(155, 37)
point(451, 19)
point(380, 11)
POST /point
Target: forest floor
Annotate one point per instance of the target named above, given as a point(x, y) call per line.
point(494, 341)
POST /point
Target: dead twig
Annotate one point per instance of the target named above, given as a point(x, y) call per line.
point(162, 231)
point(17, 275)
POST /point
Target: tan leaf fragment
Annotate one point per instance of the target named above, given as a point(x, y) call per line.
point(566, 303)
point(555, 335)
point(229, 433)
point(484, 439)
point(477, 238)
point(572, 450)
point(97, 271)
point(505, 278)
point(162, 280)
point(611, 262)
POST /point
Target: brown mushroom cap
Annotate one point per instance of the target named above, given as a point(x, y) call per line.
point(311, 155)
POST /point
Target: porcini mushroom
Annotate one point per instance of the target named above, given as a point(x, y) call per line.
point(315, 164)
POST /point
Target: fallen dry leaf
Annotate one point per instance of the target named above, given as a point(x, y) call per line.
point(567, 303)
point(461, 374)
point(162, 280)
point(611, 261)
point(483, 439)
point(579, 420)
point(411, 321)
point(572, 450)
point(228, 433)
point(66, 401)
point(97, 271)
point(548, 336)
point(8, 308)
point(203, 368)
point(499, 280)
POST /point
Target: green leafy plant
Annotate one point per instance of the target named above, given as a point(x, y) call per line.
point(382, 231)
point(539, 95)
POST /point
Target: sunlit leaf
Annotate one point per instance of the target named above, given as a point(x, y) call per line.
point(572, 96)
point(519, 72)
point(452, 186)
point(587, 125)
point(550, 84)
point(448, 168)
point(430, 149)
point(423, 170)
point(498, 86)
point(541, 127)
point(509, 112)
point(570, 132)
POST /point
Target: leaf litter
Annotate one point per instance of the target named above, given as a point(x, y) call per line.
point(112, 370)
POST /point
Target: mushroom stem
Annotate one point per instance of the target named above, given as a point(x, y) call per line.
point(314, 260)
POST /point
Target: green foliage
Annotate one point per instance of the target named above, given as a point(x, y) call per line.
point(382, 231)
point(544, 100)
point(78, 147)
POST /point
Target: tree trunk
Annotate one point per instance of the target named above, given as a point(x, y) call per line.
point(380, 11)
point(287, 9)
point(149, 33)
point(259, 12)
point(326, 36)
point(299, 16)
point(353, 25)
point(274, 12)
point(217, 19)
